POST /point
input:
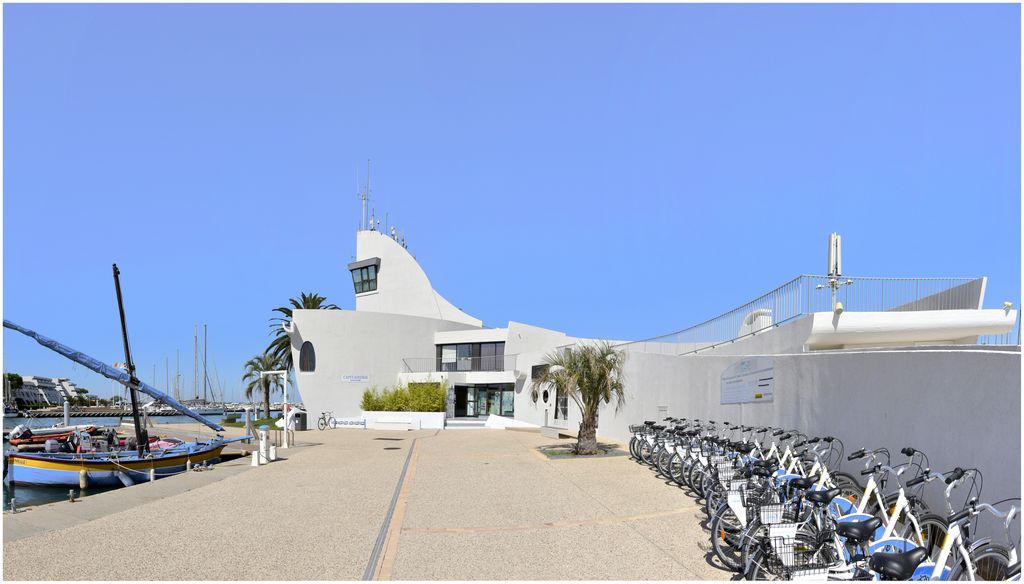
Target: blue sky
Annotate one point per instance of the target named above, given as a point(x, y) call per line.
point(608, 171)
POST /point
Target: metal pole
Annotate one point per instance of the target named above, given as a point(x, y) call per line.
point(284, 408)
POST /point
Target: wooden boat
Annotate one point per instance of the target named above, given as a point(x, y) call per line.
point(87, 466)
point(109, 468)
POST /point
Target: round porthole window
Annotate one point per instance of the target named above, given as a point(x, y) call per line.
point(545, 396)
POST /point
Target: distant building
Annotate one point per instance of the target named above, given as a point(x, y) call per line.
point(45, 390)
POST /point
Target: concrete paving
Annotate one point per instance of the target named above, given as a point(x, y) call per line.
point(481, 504)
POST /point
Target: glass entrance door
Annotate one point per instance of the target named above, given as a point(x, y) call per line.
point(491, 399)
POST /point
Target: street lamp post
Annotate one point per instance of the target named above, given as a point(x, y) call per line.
point(284, 403)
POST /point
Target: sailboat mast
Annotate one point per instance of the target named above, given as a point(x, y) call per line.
point(204, 363)
point(177, 374)
point(195, 362)
point(141, 436)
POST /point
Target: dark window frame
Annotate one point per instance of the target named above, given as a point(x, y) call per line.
point(364, 279)
point(307, 359)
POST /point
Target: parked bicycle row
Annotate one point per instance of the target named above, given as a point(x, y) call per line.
point(780, 508)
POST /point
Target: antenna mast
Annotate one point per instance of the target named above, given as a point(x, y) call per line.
point(364, 197)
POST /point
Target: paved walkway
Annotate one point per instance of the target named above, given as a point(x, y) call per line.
point(475, 504)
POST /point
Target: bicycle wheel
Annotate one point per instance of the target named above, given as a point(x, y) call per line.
point(726, 531)
point(632, 449)
point(675, 469)
point(763, 568)
point(321, 424)
point(661, 462)
point(332, 422)
point(850, 487)
point(644, 450)
point(991, 562)
point(697, 479)
point(933, 532)
point(750, 539)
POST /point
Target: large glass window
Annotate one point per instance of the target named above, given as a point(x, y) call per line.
point(465, 356)
point(365, 279)
point(307, 358)
point(448, 358)
point(471, 357)
point(508, 403)
point(487, 357)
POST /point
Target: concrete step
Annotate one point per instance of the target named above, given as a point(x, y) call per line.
point(464, 423)
point(552, 432)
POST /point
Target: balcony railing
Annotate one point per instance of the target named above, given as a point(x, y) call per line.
point(459, 365)
point(808, 294)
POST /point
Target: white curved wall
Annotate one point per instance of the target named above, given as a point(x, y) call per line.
point(402, 285)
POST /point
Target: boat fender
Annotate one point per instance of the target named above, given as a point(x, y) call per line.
point(125, 479)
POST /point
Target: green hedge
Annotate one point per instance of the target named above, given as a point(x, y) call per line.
point(416, 397)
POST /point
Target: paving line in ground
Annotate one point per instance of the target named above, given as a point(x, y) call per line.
point(549, 525)
point(387, 561)
point(373, 566)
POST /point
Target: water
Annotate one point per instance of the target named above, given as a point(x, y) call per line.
point(27, 495)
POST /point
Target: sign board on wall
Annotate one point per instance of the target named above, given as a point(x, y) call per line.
point(749, 380)
point(355, 378)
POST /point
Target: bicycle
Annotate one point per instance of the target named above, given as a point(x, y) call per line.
point(326, 421)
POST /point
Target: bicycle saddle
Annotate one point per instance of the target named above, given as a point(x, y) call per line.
point(859, 531)
point(744, 448)
point(823, 497)
point(898, 566)
point(649, 422)
point(804, 483)
point(658, 427)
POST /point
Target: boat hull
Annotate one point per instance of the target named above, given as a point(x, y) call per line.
point(39, 469)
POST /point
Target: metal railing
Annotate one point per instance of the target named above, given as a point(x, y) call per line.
point(807, 294)
point(1011, 337)
point(459, 365)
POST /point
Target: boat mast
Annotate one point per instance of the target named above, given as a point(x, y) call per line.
point(141, 436)
point(204, 363)
point(177, 374)
point(195, 362)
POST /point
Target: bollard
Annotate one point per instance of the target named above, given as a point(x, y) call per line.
point(83, 479)
point(264, 445)
point(152, 474)
point(67, 414)
point(71, 495)
point(255, 458)
point(273, 453)
point(14, 506)
point(188, 465)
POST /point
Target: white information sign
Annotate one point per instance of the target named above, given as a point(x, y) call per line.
point(750, 380)
point(355, 378)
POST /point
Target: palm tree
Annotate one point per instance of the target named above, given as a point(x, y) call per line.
point(281, 346)
point(590, 374)
point(264, 383)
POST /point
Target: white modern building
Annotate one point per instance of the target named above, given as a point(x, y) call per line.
point(45, 390)
point(875, 361)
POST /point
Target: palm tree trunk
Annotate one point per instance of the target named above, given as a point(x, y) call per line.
point(586, 440)
point(266, 399)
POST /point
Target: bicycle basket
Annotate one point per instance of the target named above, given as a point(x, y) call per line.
point(772, 514)
point(726, 471)
point(805, 557)
point(717, 458)
point(740, 484)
